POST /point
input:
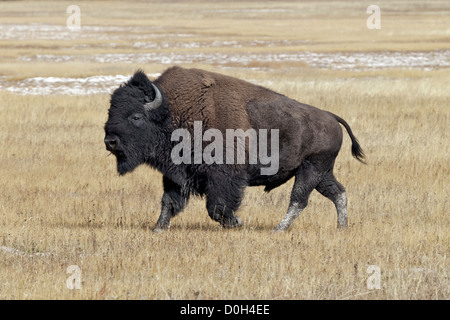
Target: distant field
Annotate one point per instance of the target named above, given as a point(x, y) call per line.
point(62, 202)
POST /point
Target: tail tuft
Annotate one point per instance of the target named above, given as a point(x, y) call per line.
point(357, 151)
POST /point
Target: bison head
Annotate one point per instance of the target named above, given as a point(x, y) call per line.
point(135, 122)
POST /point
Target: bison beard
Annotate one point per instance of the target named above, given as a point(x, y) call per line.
point(126, 164)
point(144, 114)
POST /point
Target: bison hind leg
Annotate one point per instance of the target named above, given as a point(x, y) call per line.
point(307, 178)
point(333, 190)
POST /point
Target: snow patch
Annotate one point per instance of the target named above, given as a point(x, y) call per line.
point(66, 86)
point(351, 61)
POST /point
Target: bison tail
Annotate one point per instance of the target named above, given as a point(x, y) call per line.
point(357, 151)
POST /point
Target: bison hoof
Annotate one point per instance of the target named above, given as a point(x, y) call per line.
point(343, 226)
point(159, 229)
point(234, 223)
point(280, 228)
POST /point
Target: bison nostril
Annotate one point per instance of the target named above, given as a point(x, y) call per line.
point(111, 143)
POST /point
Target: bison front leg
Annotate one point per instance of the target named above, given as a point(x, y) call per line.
point(223, 213)
point(173, 202)
point(222, 201)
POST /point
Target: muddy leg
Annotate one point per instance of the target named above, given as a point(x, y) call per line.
point(333, 190)
point(306, 179)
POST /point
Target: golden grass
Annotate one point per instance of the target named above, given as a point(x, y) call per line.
point(62, 202)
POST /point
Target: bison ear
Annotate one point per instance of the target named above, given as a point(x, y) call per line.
point(152, 105)
point(141, 81)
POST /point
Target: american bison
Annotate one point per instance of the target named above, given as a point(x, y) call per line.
point(144, 115)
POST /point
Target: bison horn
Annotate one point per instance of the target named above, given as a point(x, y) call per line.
point(156, 102)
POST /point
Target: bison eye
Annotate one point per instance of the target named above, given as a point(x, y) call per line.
point(137, 119)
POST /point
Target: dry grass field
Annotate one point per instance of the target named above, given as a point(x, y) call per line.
point(62, 202)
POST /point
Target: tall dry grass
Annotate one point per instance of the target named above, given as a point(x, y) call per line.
point(62, 202)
